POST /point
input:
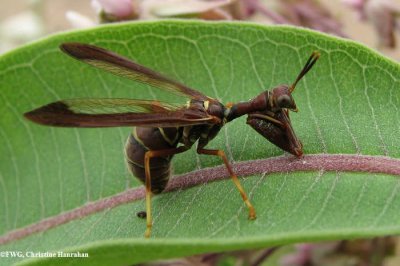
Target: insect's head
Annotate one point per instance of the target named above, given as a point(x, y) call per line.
point(281, 96)
point(273, 122)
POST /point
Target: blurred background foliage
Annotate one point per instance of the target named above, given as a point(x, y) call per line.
point(375, 23)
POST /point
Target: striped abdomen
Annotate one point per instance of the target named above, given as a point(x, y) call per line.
point(143, 139)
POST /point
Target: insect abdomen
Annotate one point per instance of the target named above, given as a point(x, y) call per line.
point(143, 139)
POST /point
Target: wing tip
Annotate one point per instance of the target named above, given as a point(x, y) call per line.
point(83, 51)
point(49, 115)
point(72, 48)
point(79, 50)
point(35, 116)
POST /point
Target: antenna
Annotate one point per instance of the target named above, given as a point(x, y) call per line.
point(310, 62)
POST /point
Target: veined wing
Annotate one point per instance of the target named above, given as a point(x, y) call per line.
point(124, 67)
point(117, 113)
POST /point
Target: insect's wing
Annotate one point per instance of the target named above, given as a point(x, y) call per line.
point(124, 67)
point(282, 135)
point(117, 113)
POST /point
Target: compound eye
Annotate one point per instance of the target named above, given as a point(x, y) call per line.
point(284, 101)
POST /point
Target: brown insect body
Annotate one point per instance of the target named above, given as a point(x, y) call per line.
point(162, 130)
point(144, 139)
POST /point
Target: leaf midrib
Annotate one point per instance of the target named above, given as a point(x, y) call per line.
point(281, 164)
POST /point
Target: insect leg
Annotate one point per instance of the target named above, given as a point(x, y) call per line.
point(148, 155)
point(267, 117)
point(221, 154)
point(286, 112)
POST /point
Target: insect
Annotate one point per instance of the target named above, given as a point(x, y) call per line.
point(161, 129)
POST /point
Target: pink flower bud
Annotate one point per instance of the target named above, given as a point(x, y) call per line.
point(119, 8)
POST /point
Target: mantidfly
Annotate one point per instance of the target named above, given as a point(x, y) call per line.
point(163, 130)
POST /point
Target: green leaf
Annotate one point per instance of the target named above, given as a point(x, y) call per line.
point(349, 104)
